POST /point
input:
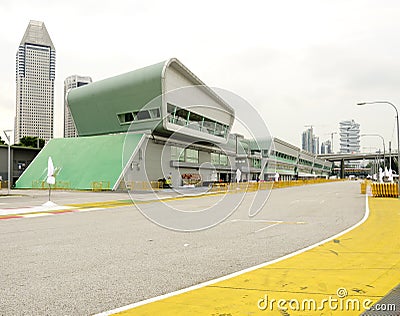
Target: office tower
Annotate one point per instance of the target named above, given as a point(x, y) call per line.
point(70, 83)
point(35, 74)
point(326, 147)
point(315, 147)
point(349, 136)
point(310, 142)
point(307, 140)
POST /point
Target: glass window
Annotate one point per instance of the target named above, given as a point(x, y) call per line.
point(143, 115)
point(215, 159)
point(177, 153)
point(125, 117)
point(223, 159)
point(192, 155)
point(154, 113)
point(256, 163)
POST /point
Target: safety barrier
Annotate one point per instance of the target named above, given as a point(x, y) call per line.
point(43, 185)
point(385, 189)
point(100, 186)
point(265, 185)
point(364, 185)
point(141, 185)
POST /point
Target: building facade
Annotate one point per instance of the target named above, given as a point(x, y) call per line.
point(326, 147)
point(35, 75)
point(161, 122)
point(72, 82)
point(310, 142)
point(349, 133)
point(20, 159)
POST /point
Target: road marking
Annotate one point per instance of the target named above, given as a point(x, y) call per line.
point(263, 221)
point(264, 228)
point(235, 274)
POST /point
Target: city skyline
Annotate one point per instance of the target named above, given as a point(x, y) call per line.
point(293, 73)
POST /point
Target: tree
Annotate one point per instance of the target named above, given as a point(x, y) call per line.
point(2, 142)
point(31, 141)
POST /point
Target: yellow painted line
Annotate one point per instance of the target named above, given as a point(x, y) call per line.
point(364, 263)
point(119, 203)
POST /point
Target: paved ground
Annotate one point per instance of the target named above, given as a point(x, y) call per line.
point(89, 262)
point(344, 276)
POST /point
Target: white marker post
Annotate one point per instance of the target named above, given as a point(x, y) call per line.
point(50, 174)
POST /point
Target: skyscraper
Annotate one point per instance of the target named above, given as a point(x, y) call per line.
point(70, 83)
point(349, 136)
point(326, 147)
point(35, 74)
point(307, 140)
point(310, 142)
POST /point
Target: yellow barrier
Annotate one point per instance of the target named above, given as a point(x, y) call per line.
point(254, 186)
point(385, 189)
point(43, 185)
point(100, 186)
point(364, 185)
point(141, 185)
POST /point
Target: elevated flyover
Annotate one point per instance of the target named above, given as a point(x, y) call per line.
point(340, 157)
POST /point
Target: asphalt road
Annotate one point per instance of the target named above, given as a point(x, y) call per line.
point(89, 262)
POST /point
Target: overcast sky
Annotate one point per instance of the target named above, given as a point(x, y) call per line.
point(297, 62)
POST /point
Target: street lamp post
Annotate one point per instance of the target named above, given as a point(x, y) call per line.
point(9, 157)
point(398, 135)
point(383, 142)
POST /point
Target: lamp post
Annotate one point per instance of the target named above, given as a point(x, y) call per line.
point(398, 135)
point(9, 157)
point(383, 142)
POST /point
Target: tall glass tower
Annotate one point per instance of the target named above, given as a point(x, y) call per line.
point(35, 74)
point(70, 83)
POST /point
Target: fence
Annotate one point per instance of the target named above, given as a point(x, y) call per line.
point(254, 186)
point(385, 190)
point(100, 186)
point(43, 185)
point(140, 185)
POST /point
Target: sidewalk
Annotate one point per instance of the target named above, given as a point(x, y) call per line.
point(337, 277)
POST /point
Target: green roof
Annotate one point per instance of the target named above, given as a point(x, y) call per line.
point(95, 106)
point(83, 160)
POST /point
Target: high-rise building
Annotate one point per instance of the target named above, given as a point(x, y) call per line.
point(70, 83)
point(349, 136)
point(310, 142)
point(315, 148)
point(326, 147)
point(35, 74)
point(307, 140)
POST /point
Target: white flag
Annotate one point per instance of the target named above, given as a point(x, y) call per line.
point(50, 172)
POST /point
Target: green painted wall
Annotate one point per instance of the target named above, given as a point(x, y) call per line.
point(83, 160)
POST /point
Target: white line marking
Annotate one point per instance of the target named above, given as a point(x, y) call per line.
point(89, 209)
point(232, 275)
point(269, 226)
point(36, 215)
point(264, 221)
